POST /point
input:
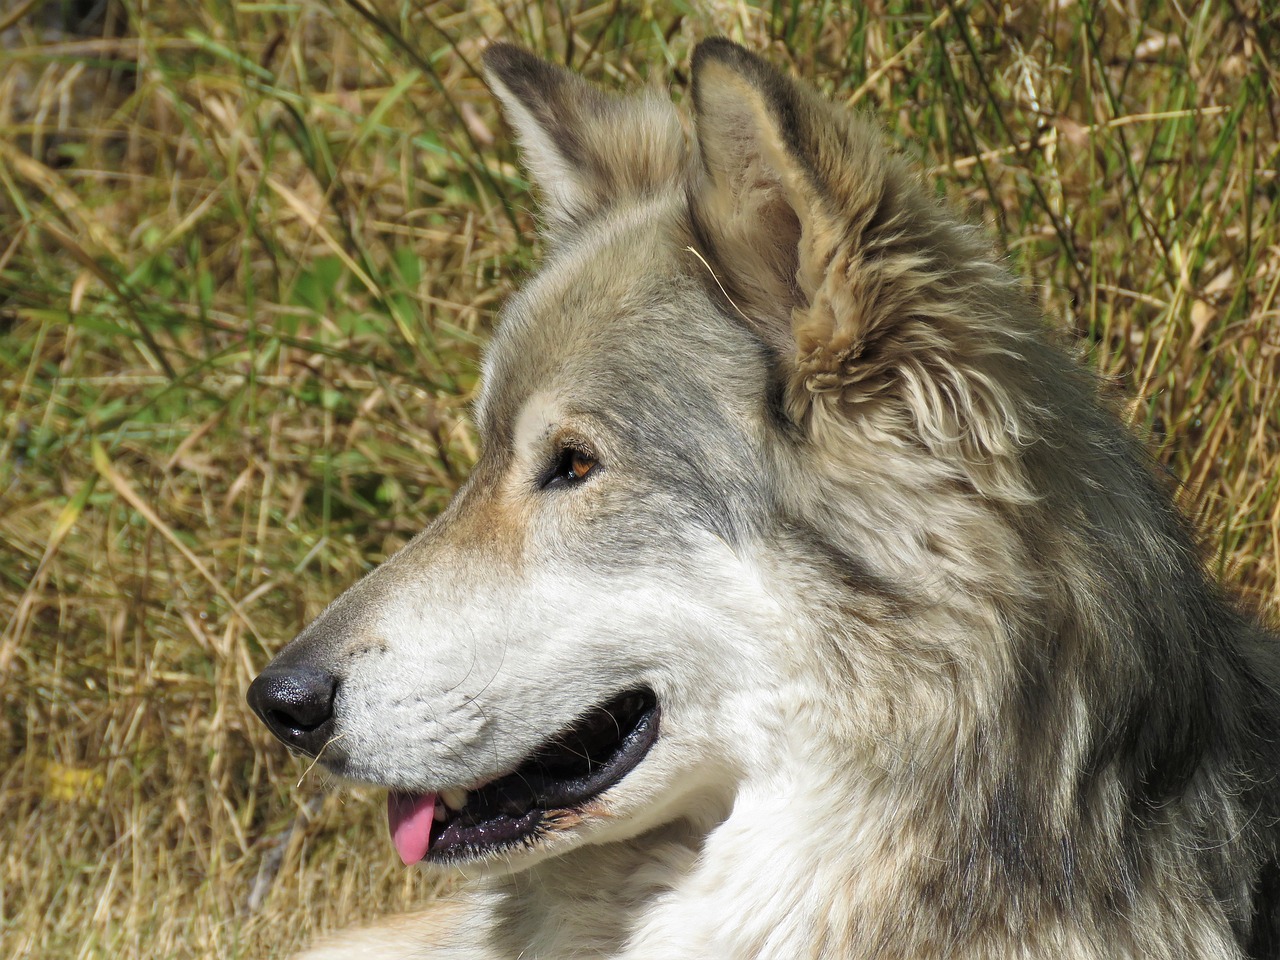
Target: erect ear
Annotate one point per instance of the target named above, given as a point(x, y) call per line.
point(799, 204)
point(584, 148)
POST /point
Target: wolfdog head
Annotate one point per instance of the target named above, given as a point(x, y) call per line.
point(783, 484)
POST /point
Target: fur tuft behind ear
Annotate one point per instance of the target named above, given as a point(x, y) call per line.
point(584, 148)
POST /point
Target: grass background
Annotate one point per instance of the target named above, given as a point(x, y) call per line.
point(249, 253)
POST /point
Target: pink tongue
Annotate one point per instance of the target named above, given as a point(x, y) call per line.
point(410, 815)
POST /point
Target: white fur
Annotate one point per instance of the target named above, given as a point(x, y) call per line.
point(891, 590)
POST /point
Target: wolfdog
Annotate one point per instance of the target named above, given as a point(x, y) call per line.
point(805, 602)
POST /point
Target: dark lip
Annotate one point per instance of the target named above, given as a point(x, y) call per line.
point(557, 780)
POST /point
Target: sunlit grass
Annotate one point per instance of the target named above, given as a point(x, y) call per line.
point(249, 254)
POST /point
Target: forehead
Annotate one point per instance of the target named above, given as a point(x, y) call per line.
point(603, 309)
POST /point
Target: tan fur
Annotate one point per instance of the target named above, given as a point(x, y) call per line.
point(940, 673)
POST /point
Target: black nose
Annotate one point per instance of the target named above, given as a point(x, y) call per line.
point(297, 704)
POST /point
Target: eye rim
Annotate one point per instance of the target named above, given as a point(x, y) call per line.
point(574, 464)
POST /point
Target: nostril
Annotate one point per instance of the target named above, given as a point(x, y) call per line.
point(278, 718)
point(293, 701)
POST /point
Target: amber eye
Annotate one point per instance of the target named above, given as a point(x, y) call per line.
point(579, 465)
point(572, 466)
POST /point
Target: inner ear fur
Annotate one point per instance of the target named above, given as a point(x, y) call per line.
point(757, 204)
point(585, 149)
point(831, 243)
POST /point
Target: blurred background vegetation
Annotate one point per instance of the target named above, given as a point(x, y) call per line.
point(249, 253)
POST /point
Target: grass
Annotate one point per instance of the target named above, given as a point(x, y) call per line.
point(249, 254)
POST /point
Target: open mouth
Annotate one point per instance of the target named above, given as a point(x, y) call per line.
point(561, 776)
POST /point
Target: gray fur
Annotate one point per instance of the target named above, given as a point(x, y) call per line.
point(1056, 737)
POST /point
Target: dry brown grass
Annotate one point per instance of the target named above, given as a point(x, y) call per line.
point(248, 254)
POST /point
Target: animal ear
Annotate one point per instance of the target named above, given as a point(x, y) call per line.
point(802, 210)
point(584, 148)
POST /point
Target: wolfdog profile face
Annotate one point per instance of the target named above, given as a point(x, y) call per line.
point(708, 424)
